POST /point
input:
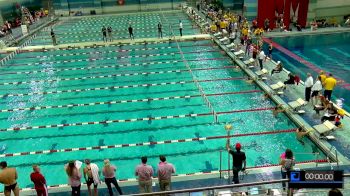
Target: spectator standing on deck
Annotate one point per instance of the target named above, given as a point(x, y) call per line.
point(131, 32)
point(316, 89)
point(261, 57)
point(165, 170)
point(39, 181)
point(74, 176)
point(266, 24)
point(238, 159)
point(144, 173)
point(109, 174)
point(160, 31)
point(180, 28)
point(287, 163)
point(329, 85)
point(308, 85)
point(53, 37)
point(109, 32)
point(92, 177)
point(323, 76)
point(8, 177)
point(270, 50)
point(104, 34)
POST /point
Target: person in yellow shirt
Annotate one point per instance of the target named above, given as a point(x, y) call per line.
point(222, 25)
point(213, 28)
point(329, 85)
point(323, 77)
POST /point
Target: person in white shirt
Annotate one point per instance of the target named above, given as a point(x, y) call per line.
point(347, 22)
point(180, 27)
point(316, 88)
point(262, 56)
point(308, 85)
point(235, 27)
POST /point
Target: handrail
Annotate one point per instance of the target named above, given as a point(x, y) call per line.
point(213, 187)
point(219, 187)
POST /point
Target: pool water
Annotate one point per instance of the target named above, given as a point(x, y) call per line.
point(329, 52)
point(47, 95)
point(88, 29)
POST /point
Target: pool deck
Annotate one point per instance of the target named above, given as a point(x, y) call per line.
point(308, 31)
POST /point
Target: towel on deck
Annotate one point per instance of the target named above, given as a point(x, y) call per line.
point(95, 173)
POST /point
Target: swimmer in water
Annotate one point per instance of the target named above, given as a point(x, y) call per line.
point(300, 133)
point(266, 96)
point(278, 109)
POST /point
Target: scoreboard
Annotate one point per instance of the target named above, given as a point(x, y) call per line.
point(316, 179)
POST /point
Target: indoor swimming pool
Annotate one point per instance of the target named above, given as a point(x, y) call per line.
point(122, 102)
point(328, 52)
point(88, 29)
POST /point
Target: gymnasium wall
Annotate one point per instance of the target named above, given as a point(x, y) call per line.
point(66, 7)
point(330, 8)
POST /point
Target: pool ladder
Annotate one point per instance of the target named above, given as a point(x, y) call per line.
point(336, 157)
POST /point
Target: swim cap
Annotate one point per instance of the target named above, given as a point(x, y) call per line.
point(278, 62)
point(228, 127)
point(341, 112)
point(238, 146)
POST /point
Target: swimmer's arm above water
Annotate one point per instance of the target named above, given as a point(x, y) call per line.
point(228, 144)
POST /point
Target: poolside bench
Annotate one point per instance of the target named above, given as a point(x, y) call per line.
point(218, 34)
point(324, 128)
point(249, 61)
point(279, 85)
point(231, 45)
point(295, 105)
point(239, 53)
point(261, 72)
point(225, 40)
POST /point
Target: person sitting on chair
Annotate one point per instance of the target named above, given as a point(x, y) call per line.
point(278, 68)
point(322, 106)
point(291, 79)
point(330, 113)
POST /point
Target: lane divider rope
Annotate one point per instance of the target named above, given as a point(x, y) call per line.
point(166, 61)
point(109, 58)
point(310, 65)
point(113, 75)
point(109, 51)
point(125, 101)
point(113, 87)
point(146, 143)
point(105, 122)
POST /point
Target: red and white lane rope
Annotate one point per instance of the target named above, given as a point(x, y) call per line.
point(146, 143)
point(129, 120)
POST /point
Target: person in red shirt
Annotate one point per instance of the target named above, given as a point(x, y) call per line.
point(39, 181)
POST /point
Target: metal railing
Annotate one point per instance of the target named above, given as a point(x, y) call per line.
point(230, 186)
point(212, 188)
point(200, 89)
